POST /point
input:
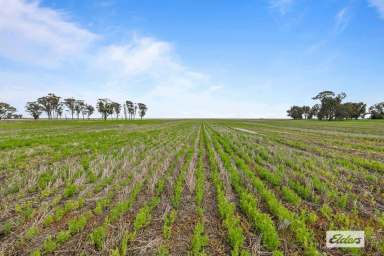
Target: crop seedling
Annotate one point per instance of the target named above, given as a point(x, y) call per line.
point(105, 186)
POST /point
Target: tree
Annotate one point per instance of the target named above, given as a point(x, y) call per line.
point(45, 105)
point(354, 110)
point(329, 104)
point(6, 110)
point(130, 108)
point(314, 111)
point(342, 111)
point(79, 105)
point(70, 103)
point(105, 107)
point(359, 110)
point(90, 109)
point(306, 111)
point(84, 110)
point(295, 112)
point(16, 116)
point(60, 110)
point(142, 109)
point(49, 104)
point(377, 111)
point(116, 108)
point(134, 111)
point(54, 102)
point(34, 108)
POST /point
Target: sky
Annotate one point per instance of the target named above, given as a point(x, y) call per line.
point(192, 58)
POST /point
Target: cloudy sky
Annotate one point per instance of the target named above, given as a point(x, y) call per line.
point(192, 58)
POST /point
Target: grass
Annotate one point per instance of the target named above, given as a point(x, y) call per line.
point(142, 187)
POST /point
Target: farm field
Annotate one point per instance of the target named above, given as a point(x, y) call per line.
point(189, 187)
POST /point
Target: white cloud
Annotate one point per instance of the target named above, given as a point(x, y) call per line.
point(151, 66)
point(342, 19)
point(139, 56)
point(379, 5)
point(31, 33)
point(281, 5)
point(142, 69)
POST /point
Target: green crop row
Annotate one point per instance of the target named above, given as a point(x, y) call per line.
point(178, 188)
point(72, 205)
point(98, 235)
point(180, 180)
point(47, 178)
point(249, 205)
point(199, 239)
point(144, 215)
point(231, 222)
point(303, 235)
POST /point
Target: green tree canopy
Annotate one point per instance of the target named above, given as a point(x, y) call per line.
point(142, 109)
point(377, 111)
point(296, 112)
point(34, 108)
point(105, 107)
point(6, 110)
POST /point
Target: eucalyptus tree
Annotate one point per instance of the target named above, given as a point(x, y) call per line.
point(135, 110)
point(70, 103)
point(79, 105)
point(314, 111)
point(55, 103)
point(84, 111)
point(295, 112)
point(130, 108)
point(60, 109)
point(306, 111)
point(105, 107)
point(6, 110)
point(330, 102)
point(142, 109)
point(49, 104)
point(377, 111)
point(353, 110)
point(34, 108)
point(89, 110)
point(116, 108)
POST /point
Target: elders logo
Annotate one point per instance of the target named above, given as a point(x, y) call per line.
point(338, 239)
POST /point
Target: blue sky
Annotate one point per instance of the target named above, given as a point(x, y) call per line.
point(192, 58)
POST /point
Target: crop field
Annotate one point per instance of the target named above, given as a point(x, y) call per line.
point(189, 187)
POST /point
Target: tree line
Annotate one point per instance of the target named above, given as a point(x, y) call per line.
point(331, 107)
point(54, 108)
